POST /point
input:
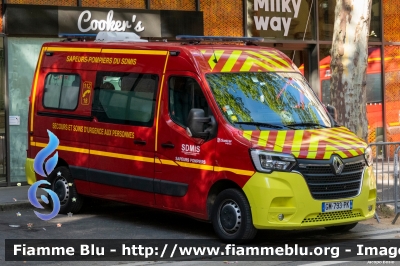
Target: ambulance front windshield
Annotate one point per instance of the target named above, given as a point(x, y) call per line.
point(268, 101)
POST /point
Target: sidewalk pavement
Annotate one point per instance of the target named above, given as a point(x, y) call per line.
point(15, 197)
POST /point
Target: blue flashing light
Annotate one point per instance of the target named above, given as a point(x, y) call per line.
point(77, 35)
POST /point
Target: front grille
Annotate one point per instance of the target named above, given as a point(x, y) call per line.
point(331, 216)
point(324, 184)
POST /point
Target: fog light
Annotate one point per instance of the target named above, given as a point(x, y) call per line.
point(370, 208)
point(280, 217)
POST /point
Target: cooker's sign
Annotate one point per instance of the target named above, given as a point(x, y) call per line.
point(145, 23)
point(39, 20)
point(86, 23)
point(278, 18)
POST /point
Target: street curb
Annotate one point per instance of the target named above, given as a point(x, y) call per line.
point(15, 205)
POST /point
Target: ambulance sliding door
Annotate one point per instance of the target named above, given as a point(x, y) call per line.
point(122, 139)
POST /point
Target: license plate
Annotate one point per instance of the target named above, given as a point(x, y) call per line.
point(337, 206)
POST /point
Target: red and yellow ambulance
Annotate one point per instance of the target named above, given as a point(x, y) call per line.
point(222, 132)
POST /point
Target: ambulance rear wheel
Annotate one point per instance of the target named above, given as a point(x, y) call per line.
point(341, 228)
point(63, 185)
point(231, 217)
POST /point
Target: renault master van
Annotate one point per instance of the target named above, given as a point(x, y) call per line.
point(226, 132)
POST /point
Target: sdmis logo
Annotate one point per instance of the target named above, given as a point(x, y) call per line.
point(44, 168)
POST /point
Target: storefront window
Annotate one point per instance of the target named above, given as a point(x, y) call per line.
point(3, 161)
point(326, 18)
point(373, 89)
point(280, 20)
point(23, 54)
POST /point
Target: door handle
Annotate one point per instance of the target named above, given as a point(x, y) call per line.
point(139, 142)
point(168, 145)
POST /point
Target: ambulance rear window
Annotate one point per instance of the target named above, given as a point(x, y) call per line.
point(61, 91)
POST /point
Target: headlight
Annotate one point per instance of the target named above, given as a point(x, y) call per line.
point(266, 161)
point(368, 156)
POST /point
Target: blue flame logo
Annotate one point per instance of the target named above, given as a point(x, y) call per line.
point(44, 168)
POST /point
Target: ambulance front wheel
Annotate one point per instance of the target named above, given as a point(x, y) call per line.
point(63, 185)
point(231, 217)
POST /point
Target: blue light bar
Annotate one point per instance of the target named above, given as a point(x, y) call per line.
point(77, 35)
point(218, 38)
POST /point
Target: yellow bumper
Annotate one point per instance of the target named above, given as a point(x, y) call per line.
point(287, 193)
point(30, 173)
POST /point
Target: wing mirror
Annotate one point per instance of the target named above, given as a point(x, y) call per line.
point(200, 126)
point(332, 111)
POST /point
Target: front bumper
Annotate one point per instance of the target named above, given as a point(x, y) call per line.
point(287, 193)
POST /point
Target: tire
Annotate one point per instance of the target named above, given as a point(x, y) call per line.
point(231, 217)
point(341, 228)
point(63, 185)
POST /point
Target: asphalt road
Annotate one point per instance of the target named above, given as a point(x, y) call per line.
point(104, 220)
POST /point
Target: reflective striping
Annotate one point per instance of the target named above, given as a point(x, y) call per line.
point(277, 58)
point(196, 166)
point(62, 148)
point(168, 162)
point(128, 51)
point(265, 58)
point(74, 49)
point(231, 61)
point(35, 83)
point(149, 159)
point(233, 170)
point(263, 137)
point(245, 60)
point(122, 156)
point(280, 140)
point(310, 144)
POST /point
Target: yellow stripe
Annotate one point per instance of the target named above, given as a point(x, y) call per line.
point(148, 159)
point(128, 51)
point(159, 100)
point(74, 49)
point(62, 148)
point(231, 61)
point(168, 162)
point(249, 63)
point(280, 140)
point(196, 166)
point(33, 95)
point(312, 150)
point(269, 60)
point(262, 141)
point(297, 138)
point(247, 134)
point(122, 156)
point(233, 170)
point(277, 58)
point(216, 55)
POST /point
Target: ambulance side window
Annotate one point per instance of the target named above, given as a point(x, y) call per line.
point(61, 91)
point(185, 94)
point(125, 98)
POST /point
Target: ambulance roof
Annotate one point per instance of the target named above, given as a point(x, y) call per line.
point(209, 57)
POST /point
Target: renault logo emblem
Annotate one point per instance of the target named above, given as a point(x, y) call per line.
point(337, 165)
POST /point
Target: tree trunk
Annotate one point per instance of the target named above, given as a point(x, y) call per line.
point(349, 61)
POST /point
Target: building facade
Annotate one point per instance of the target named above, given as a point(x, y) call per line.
point(302, 29)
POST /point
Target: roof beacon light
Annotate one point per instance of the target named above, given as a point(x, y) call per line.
point(108, 36)
point(192, 38)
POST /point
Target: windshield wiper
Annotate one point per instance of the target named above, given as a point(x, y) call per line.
point(307, 124)
point(261, 124)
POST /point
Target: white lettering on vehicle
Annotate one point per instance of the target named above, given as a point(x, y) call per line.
point(190, 149)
